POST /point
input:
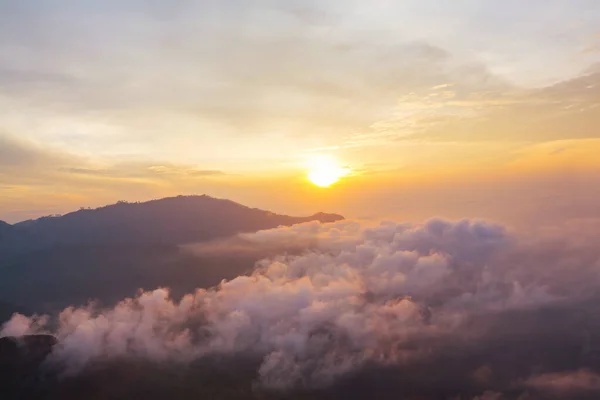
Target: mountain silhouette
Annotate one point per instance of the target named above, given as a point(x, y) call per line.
point(21, 359)
point(175, 220)
point(5, 229)
point(108, 253)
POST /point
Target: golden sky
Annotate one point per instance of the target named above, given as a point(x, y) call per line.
point(431, 104)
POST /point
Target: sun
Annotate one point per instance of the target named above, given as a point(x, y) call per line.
point(324, 170)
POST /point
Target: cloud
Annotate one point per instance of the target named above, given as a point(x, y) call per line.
point(42, 179)
point(20, 325)
point(26, 162)
point(567, 383)
point(462, 307)
point(87, 171)
point(271, 81)
point(265, 70)
point(489, 396)
point(147, 170)
point(284, 240)
point(25, 154)
point(26, 158)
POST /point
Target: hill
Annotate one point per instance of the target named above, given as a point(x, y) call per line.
point(5, 229)
point(169, 221)
point(110, 252)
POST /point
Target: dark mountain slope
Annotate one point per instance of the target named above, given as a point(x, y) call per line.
point(175, 220)
point(110, 252)
point(49, 280)
point(5, 229)
point(20, 365)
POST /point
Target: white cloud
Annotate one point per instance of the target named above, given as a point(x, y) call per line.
point(359, 296)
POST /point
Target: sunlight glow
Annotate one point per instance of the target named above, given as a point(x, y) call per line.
point(325, 170)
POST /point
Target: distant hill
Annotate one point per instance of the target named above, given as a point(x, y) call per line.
point(5, 229)
point(20, 365)
point(110, 252)
point(174, 220)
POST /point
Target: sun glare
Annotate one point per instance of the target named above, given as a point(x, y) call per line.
point(324, 171)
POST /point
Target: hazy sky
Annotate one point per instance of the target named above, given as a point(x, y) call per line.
point(109, 100)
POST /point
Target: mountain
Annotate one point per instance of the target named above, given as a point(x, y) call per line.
point(5, 229)
point(110, 252)
point(175, 220)
point(21, 365)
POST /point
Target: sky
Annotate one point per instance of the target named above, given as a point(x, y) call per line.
point(455, 108)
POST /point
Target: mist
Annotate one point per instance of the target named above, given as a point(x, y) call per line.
point(443, 308)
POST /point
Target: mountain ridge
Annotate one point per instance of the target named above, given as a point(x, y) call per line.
point(172, 220)
point(5, 229)
point(110, 252)
point(30, 222)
